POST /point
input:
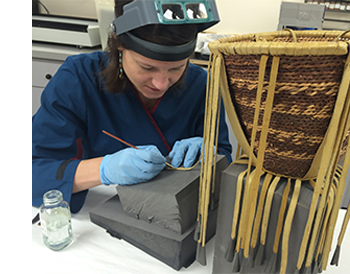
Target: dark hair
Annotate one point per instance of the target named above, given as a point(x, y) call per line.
point(157, 33)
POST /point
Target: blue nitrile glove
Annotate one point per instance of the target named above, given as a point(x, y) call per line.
point(131, 166)
point(191, 147)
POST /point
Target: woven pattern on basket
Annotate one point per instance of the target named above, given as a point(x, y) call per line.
point(305, 95)
point(289, 39)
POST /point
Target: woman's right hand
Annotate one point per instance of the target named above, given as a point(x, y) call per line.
point(131, 166)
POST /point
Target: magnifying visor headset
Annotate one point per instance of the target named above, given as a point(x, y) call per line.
point(140, 13)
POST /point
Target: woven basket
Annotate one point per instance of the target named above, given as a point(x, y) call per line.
point(309, 76)
point(287, 97)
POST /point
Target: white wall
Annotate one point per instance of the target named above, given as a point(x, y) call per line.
point(248, 16)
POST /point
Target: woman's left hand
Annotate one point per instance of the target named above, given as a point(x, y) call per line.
point(186, 151)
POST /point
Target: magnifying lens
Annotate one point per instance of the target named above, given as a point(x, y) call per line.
point(140, 13)
point(144, 12)
point(182, 13)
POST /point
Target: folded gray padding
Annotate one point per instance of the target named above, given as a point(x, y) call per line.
point(159, 216)
point(169, 200)
point(175, 250)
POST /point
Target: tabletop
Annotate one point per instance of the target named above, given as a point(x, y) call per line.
point(93, 250)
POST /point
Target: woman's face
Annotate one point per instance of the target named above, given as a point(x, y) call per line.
point(151, 78)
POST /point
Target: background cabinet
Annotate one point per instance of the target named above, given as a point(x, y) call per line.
point(46, 60)
point(337, 14)
point(42, 71)
point(336, 20)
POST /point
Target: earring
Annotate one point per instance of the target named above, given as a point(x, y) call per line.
point(121, 72)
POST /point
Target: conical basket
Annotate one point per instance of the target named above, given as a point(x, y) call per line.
point(287, 97)
point(310, 72)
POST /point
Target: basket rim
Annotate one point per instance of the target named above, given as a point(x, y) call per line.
point(263, 44)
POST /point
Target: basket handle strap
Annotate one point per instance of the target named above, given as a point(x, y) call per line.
point(259, 213)
point(341, 133)
point(341, 186)
point(267, 209)
point(288, 225)
point(341, 35)
point(281, 216)
point(239, 188)
point(327, 158)
point(212, 117)
point(292, 33)
point(322, 237)
point(245, 207)
point(345, 223)
point(252, 188)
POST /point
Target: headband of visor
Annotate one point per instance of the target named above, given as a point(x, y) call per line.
point(140, 13)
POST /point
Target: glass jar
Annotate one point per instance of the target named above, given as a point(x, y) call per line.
point(55, 221)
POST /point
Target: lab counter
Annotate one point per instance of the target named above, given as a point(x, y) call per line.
point(93, 250)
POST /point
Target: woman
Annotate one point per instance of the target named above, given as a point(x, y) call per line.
point(143, 90)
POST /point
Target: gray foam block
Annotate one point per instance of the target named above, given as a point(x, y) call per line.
point(170, 199)
point(224, 225)
point(175, 250)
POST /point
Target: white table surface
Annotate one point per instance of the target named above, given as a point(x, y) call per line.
point(94, 251)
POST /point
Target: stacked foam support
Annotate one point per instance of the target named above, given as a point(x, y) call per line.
point(262, 259)
point(159, 216)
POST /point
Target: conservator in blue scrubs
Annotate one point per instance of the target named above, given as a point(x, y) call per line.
point(146, 98)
